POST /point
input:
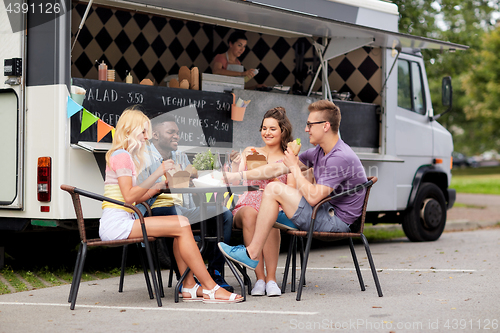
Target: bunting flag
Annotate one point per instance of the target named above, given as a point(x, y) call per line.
point(209, 196)
point(102, 129)
point(72, 107)
point(87, 120)
point(230, 200)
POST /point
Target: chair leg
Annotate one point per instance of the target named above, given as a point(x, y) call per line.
point(246, 279)
point(231, 266)
point(78, 276)
point(356, 265)
point(152, 270)
point(157, 264)
point(75, 271)
point(302, 254)
point(304, 266)
point(173, 263)
point(170, 277)
point(177, 286)
point(145, 270)
point(287, 265)
point(372, 265)
point(294, 265)
point(124, 262)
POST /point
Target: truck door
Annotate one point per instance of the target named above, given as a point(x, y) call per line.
point(12, 39)
point(413, 128)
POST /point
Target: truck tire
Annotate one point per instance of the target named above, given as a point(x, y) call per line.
point(425, 221)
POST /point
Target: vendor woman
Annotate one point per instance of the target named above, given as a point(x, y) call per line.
point(228, 63)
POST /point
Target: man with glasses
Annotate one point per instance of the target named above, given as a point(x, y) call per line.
point(335, 167)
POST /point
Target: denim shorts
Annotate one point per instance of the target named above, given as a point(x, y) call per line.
point(326, 220)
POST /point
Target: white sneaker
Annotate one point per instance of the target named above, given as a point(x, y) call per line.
point(259, 289)
point(272, 289)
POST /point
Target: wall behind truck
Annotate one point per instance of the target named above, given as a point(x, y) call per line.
point(153, 47)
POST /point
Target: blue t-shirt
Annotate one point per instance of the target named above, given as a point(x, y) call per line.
point(341, 170)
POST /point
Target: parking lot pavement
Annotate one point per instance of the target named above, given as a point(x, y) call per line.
point(447, 285)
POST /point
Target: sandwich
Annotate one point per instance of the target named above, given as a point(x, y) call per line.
point(295, 146)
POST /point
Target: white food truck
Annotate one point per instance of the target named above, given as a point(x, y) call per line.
point(375, 74)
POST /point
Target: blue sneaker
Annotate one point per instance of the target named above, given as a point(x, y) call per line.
point(284, 223)
point(238, 254)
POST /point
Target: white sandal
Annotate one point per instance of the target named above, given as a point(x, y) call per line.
point(212, 299)
point(192, 291)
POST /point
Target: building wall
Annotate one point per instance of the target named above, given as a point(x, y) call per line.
point(153, 47)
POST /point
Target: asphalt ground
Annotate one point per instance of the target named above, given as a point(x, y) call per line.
point(446, 285)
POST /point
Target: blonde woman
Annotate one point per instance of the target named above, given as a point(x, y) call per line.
point(123, 161)
point(276, 132)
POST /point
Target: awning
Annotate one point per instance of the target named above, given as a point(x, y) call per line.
point(279, 21)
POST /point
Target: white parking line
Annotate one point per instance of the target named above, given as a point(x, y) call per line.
point(390, 269)
point(230, 311)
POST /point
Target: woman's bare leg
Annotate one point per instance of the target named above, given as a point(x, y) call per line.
point(271, 252)
point(246, 219)
point(188, 254)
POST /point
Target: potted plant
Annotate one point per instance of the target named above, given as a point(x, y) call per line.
point(204, 162)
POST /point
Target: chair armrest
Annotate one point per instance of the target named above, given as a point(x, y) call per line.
point(148, 207)
point(370, 182)
point(95, 196)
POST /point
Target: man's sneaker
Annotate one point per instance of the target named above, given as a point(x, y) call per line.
point(283, 222)
point(219, 279)
point(259, 289)
point(272, 289)
point(238, 254)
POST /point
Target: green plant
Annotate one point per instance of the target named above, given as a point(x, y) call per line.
point(204, 161)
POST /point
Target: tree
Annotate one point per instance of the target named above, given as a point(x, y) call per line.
point(482, 87)
point(462, 22)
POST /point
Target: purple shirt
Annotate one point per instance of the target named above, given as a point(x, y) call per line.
point(341, 170)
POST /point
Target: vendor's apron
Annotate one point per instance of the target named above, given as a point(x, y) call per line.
point(234, 67)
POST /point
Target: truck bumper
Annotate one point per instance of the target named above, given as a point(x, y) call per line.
point(452, 195)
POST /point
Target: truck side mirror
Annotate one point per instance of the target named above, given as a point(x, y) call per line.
point(446, 96)
point(446, 91)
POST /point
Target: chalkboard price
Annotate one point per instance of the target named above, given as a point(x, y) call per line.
point(204, 118)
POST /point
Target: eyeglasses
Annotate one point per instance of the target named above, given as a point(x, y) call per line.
point(308, 124)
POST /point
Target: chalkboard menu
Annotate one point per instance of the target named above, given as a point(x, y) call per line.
point(204, 118)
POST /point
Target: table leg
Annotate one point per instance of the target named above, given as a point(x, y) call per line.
point(237, 276)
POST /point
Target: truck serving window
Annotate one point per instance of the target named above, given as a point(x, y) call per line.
point(410, 86)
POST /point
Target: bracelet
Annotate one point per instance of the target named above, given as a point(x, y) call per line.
point(241, 174)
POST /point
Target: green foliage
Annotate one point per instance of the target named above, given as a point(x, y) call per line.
point(204, 161)
point(31, 279)
point(476, 180)
point(4, 289)
point(463, 22)
point(374, 234)
point(48, 276)
point(12, 278)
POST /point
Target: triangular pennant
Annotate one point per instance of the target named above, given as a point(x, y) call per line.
point(230, 201)
point(87, 120)
point(72, 107)
point(209, 196)
point(102, 129)
point(113, 133)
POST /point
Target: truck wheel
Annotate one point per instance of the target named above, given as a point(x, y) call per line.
point(426, 220)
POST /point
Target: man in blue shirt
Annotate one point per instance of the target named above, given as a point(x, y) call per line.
point(164, 144)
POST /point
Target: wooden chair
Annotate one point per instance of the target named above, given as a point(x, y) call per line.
point(85, 243)
point(356, 231)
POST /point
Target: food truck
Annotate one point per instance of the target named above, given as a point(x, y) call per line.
point(347, 51)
